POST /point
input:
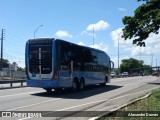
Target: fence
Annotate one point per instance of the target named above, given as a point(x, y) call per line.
point(11, 82)
point(10, 74)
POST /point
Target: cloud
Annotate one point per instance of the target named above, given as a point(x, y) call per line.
point(138, 51)
point(115, 60)
point(62, 33)
point(81, 43)
point(116, 35)
point(88, 33)
point(100, 46)
point(101, 25)
point(152, 44)
point(153, 38)
point(121, 9)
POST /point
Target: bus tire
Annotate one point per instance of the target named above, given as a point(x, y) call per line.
point(105, 81)
point(82, 84)
point(48, 90)
point(75, 85)
point(58, 89)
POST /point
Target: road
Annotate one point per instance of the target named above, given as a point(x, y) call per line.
point(95, 98)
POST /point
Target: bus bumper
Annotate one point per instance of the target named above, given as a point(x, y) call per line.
point(43, 83)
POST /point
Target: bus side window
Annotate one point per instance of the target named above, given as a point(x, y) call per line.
point(76, 65)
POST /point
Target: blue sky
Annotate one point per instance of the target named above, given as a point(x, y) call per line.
point(73, 20)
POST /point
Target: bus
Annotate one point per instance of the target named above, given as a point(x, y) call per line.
point(57, 64)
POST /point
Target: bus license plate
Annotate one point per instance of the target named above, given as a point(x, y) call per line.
point(39, 83)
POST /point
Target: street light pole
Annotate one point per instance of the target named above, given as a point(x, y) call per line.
point(118, 53)
point(118, 50)
point(37, 30)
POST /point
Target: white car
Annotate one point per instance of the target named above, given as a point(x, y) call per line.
point(125, 74)
point(113, 74)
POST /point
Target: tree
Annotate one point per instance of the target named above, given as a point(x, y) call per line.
point(20, 69)
point(5, 63)
point(130, 64)
point(146, 20)
point(147, 69)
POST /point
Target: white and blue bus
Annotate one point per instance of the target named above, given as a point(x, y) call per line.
point(57, 64)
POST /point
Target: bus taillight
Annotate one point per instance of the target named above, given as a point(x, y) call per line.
point(55, 76)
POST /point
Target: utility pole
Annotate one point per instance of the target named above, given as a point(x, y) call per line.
point(152, 63)
point(2, 38)
point(93, 36)
point(151, 60)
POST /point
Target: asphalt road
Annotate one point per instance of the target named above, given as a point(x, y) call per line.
point(95, 98)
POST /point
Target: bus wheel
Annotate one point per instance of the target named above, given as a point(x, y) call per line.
point(104, 84)
point(58, 89)
point(75, 85)
point(48, 90)
point(81, 84)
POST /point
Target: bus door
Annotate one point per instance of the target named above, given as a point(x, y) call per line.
point(70, 69)
point(66, 74)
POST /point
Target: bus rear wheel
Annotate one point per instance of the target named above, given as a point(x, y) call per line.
point(75, 85)
point(105, 81)
point(48, 90)
point(81, 84)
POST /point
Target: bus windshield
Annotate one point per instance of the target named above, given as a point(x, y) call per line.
point(40, 57)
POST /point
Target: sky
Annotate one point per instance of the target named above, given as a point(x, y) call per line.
point(73, 21)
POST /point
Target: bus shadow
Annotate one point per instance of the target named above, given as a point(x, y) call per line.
point(69, 94)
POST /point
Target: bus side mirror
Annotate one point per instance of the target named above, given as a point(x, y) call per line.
point(112, 64)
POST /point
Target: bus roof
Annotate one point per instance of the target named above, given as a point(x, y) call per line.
point(41, 39)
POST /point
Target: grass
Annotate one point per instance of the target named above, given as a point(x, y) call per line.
point(152, 104)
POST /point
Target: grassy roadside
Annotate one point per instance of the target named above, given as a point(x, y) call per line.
point(147, 107)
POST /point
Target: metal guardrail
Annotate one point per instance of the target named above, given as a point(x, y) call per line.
point(12, 81)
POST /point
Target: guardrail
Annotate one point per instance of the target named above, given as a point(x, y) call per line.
point(12, 81)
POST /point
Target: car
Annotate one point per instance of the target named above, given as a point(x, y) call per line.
point(155, 74)
point(113, 74)
point(125, 74)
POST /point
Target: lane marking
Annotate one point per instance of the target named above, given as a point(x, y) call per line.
point(33, 104)
point(67, 108)
point(105, 100)
point(82, 105)
point(20, 94)
point(94, 118)
point(92, 102)
point(133, 93)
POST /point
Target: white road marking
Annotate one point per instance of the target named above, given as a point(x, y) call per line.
point(96, 102)
point(72, 106)
point(104, 100)
point(20, 94)
point(68, 108)
point(33, 104)
point(94, 118)
point(133, 93)
point(82, 105)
